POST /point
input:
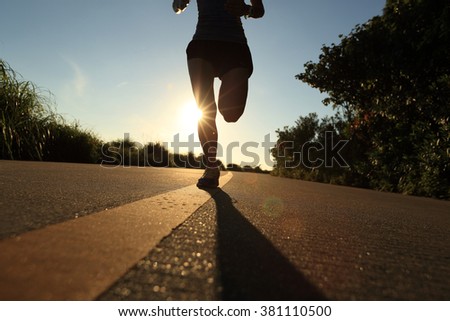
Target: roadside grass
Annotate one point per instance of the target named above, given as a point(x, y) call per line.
point(31, 129)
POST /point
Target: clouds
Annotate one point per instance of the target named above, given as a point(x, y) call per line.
point(73, 91)
point(122, 84)
point(79, 79)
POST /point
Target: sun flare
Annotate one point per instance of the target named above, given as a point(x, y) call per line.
point(190, 112)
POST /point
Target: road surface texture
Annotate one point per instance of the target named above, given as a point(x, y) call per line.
point(256, 238)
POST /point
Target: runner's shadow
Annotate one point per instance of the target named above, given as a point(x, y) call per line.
point(251, 267)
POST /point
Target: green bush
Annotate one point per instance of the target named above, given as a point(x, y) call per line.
point(32, 130)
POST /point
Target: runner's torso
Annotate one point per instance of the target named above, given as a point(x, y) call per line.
point(215, 23)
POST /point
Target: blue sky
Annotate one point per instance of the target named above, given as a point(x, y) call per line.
point(119, 66)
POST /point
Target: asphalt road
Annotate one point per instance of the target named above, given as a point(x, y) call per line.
point(34, 194)
point(257, 238)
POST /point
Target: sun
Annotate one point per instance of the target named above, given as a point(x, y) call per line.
point(190, 112)
point(188, 117)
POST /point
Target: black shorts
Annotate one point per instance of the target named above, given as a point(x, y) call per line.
point(224, 56)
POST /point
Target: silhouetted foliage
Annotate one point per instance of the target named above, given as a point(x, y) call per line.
point(70, 143)
point(313, 149)
point(390, 77)
point(234, 167)
point(188, 160)
point(30, 129)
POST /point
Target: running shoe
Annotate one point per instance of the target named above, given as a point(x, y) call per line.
point(210, 178)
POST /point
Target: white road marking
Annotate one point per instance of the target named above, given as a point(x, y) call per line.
point(81, 258)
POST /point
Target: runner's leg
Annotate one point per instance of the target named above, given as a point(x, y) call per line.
point(201, 73)
point(233, 94)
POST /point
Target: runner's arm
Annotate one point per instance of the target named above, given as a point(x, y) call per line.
point(240, 8)
point(257, 9)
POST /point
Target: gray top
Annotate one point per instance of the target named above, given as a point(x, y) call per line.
point(215, 23)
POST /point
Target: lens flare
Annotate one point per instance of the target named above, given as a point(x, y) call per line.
point(273, 207)
point(190, 112)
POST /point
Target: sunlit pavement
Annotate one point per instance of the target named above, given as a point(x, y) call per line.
point(256, 238)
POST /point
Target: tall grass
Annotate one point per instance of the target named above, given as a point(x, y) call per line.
point(32, 130)
point(25, 113)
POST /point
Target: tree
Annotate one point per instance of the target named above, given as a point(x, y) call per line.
point(304, 151)
point(391, 78)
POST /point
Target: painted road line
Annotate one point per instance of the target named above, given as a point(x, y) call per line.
point(81, 258)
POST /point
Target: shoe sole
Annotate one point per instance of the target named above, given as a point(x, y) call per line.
point(207, 183)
